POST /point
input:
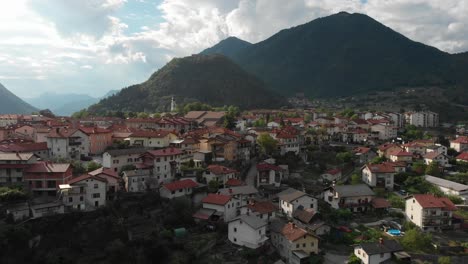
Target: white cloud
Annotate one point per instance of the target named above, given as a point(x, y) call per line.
point(89, 67)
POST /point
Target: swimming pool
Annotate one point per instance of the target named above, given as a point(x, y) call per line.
point(394, 232)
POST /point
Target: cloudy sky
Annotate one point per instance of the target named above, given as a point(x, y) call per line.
point(93, 46)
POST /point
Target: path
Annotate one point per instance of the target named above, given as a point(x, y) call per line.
point(251, 174)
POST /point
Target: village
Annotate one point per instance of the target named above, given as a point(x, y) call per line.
point(278, 186)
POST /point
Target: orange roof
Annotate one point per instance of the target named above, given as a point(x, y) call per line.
point(218, 199)
point(48, 167)
point(292, 232)
point(151, 134)
point(177, 185)
point(84, 177)
point(94, 130)
point(262, 207)
point(165, 152)
point(218, 169)
point(463, 156)
point(431, 201)
point(380, 203)
point(234, 182)
point(268, 167)
point(381, 168)
point(461, 139)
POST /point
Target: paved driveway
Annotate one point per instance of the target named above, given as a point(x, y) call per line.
point(331, 258)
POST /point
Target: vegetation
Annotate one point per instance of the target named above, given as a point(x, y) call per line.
point(356, 179)
point(353, 259)
point(210, 79)
point(93, 166)
point(433, 169)
point(12, 194)
point(344, 156)
point(267, 144)
point(415, 240)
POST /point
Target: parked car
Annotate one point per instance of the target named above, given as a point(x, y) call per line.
point(403, 192)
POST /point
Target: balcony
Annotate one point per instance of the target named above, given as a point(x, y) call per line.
point(351, 205)
point(74, 143)
point(431, 216)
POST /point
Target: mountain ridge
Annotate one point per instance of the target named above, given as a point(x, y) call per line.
point(12, 104)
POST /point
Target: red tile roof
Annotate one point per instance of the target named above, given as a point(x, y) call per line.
point(380, 203)
point(381, 168)
point(333, 171)
point(105, 171)
point(218, 199)
point(151, 134)
point(262, 207)
point(85, 177)
point(463, 156)
point(292, 232)
point(183, 184)
point(165, 152)
point(400, 153)
point(48, 167)
point(432, 155)
point(94, 130)
point(362, 150)
point(234, 182)
point(218, 169)
point(431, 201)
point(268, 167)
point(461, 139)
point(23, 147)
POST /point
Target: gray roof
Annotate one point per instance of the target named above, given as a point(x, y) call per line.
point(246, 189)
point(277, 225)
point(120, 152)
point(353, 190)
point(290, 194)
point(388, 246)
point(253, 221)
point(446, 183)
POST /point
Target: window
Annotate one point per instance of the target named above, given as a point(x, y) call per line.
point(81, 198)
point(51, 184)
point(235, 239)
point(96, 186)
point(235, 229)
point(382, 255)
point(312, 205)
point(297, 245)
point(173, 192)
point(96, 195)
point(70, 199)
point(304, 245)
point(181, 190)
point(312, 244)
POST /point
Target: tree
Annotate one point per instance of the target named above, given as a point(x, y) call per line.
point(93, 166)
point(213, 185)
point(12, 194)
point(444, 260)
point(191, 163)
point(344, 156)
point(433, 169)
point(419, 167)
point(267, 144)
point(415, 240)
point(142, 115)
point(78, 168)
point(353, 259)
point(355, 179)
point(378, 160)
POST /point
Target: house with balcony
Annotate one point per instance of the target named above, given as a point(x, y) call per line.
point(364, 154)
point(439, 158)
point(12, 166)
point(243, 194)
point(85, 192)
point(152, 139)
point(113, 180)
point(401, 156)
point(116, 159)
point(379, 175)
point(248, 231)
point(380, 252)
point(68, 143)
point(139, 180)
point(293, 243)
point(177, 188)
point(43, 178)
point(98, 138)
point(429, 212)
point(269, 174)
point(219, 173)
point(165, 163)
point(356, 198)
point(224, 206)
point(262, 209)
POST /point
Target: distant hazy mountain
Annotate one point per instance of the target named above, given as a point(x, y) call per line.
point(11, 104)
point(345, 54)
point(211, 79)
point(228, 47)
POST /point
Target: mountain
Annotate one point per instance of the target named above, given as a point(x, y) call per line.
point(228, 47)
point(210, 79)
point(345, 54)
point(110, 93)
point(12, 104)
point(62, 104)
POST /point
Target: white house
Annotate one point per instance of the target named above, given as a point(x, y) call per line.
point(152, 139)
point(248, 231)
point(225, 205)
point(12, 166)
point(460, 144)
point(138, 180)
point(291, 199)
point(165, 163)
point(332, 175)
point(219, 173)
point(243, 193)
point(429, 212)
point(261, 209)
point(356, 198)
point(177, 189)
point(437, 148)
point(94, 191)
point(377, 252)
point(269, 174)
point(379, 175)
point(439, 158)
point(67, 143)
point(117, 158)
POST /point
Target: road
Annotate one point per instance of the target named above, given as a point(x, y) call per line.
point(251, 174)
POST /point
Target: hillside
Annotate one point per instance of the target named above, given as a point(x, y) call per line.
point(62, 104)
point(12, 104)
point(228, 47)
point(345, 54)
point(211, 79)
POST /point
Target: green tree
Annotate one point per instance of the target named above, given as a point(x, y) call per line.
point(353, 259)
point(143, 115)
point(444, 260)
point(344, 156)
point(213, 185)
point(78, 168)
point(378, 160)
point(433, 169)
point(12, 194)
point(267, 144)
point(191, 163)
point(355, 179)
point(419, 167)
point(92, 165)
point(415, 240)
